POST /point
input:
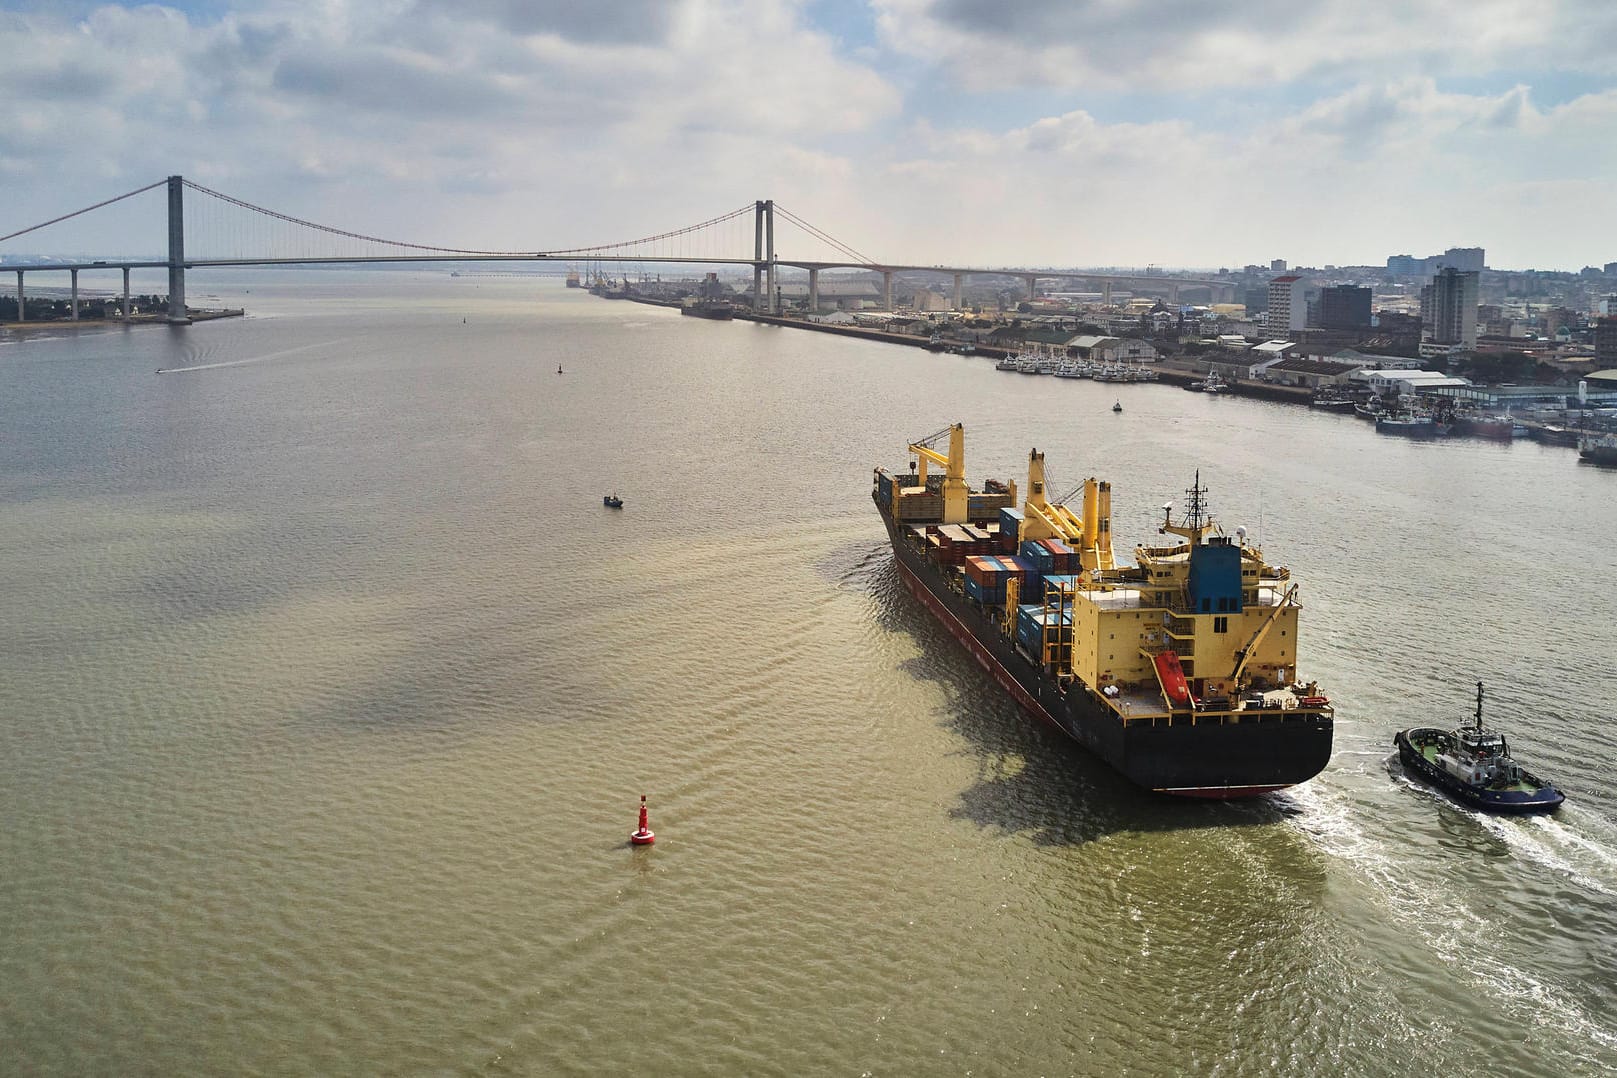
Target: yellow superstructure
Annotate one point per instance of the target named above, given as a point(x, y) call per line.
point(1230, 634)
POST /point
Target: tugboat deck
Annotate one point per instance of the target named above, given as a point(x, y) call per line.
point(1430, 752)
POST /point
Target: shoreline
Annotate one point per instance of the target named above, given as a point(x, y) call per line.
point(22, 329)
point(1176, 372)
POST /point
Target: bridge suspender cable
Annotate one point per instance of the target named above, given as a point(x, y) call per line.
point(653, 239)
point(342, 232)
point(460, 250)
point(87, 209)
point(833, 241)
point(856, 257)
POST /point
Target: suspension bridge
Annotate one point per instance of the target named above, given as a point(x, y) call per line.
point(213, 229)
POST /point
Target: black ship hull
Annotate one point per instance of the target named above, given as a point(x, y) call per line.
point(718, 313)
point(1177, 755)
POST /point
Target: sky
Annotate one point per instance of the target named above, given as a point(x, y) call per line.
point(1192, 133)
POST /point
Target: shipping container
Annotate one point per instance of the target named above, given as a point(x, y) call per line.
point(1054, 581)
point(987, 594)
point(1020, 566)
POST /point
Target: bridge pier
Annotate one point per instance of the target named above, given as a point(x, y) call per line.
point(1032, 286)
point(887, 290)
point(74, 301)
point(959, 279)
point(1106, 291)
point(126, 294)
point(814, 291)
point(1173, 294)
point(22, 314)
point(176, 252)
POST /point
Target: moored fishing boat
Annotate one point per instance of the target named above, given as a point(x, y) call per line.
point(1329, 400)
point(1178, 670)
point(1406, 425)
point(1598, 448)
point(1474, 765)
point(1500, 428)
point(1553, 434)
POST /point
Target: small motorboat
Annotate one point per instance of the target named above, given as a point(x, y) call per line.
point(558, 368)
point(1473, 765)
point(1117, 406)
point(612, 501)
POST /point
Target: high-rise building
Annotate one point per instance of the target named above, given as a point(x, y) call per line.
point(1288, 305)
point(1401, 265)
point(1344, 306)
point(1464, 259)
point(1606, 343)
point(1278, 265)
point(1448, 308)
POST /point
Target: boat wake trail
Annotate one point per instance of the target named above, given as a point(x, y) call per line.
point(1444, 921)
point(1553, 844)
point(251, 359)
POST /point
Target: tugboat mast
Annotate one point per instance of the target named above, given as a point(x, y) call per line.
point(1479, 706)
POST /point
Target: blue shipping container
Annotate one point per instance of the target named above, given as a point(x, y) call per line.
point(1053, 581)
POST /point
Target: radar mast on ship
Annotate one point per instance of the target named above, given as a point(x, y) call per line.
point(1197, 520)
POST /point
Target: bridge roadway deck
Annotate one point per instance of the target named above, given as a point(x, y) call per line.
point(563, 257)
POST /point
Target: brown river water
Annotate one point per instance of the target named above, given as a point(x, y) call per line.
point(329, 689)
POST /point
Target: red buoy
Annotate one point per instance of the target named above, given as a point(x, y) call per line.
point(642, 835)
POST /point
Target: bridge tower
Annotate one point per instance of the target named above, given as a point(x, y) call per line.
point(176, 252)
point(763, 254)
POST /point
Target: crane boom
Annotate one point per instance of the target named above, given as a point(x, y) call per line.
point(1245, 654)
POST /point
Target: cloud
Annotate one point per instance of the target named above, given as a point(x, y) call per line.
point(529, 111)
point(1078, 132)
point(1173, 45)
point(622, 22)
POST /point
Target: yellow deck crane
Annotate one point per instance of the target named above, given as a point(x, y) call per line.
point(1244, 656)
point(954, 469)
point(1089, 535)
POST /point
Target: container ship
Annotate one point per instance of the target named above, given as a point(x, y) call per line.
point(1179, 670)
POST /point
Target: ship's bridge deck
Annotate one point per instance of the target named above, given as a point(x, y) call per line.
point(1129, 597)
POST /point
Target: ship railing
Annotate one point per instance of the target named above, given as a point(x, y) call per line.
point(1161, 551)
point(1177, 626)
point(1229, 717)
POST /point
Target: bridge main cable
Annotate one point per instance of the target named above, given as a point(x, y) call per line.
point(858, 256)
point(451, 250)
point(87, 209)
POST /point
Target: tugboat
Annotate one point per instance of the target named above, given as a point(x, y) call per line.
point(1473, 765)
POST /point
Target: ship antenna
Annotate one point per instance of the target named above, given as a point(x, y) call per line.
point(1479, 707)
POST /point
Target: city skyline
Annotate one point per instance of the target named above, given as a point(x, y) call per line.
point(943, 131)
